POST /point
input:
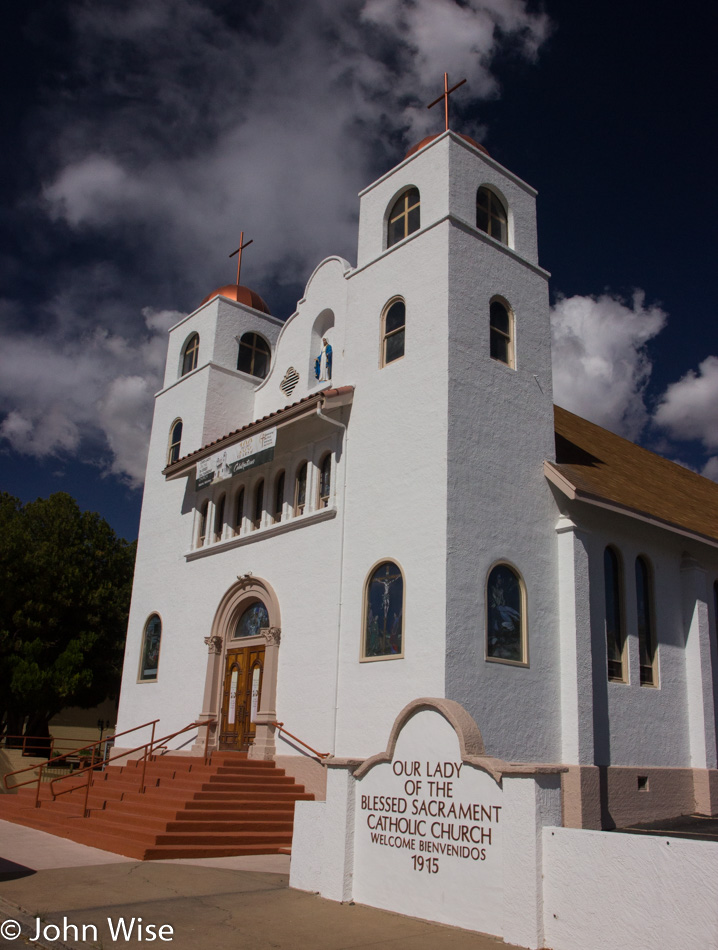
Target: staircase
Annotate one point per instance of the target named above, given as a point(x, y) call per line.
point(233, 806)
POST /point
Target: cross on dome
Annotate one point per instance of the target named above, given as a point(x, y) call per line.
point(239, 250)
point(445, 96)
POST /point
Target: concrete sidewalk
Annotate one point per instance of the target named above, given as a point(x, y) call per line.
point(242, 903)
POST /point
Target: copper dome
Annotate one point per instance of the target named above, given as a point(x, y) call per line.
point(430, 138)
point(241, 294)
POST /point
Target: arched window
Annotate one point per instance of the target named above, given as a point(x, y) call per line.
point(491, 215)
point(506, 638)
point(325, 481)
point(258, 506)
point(384, 612)
point(393, 331)
point(239, 511)
point(613, 591)
point(254, 355)
point(202, 532)
point(278, 497)
point(300, 489)
point(403, 217)
point(150, 656)
point(191, 354)
point(252, 621)
point(646, 629)
point(173, 452)
point(501, 333)
point(219, 519)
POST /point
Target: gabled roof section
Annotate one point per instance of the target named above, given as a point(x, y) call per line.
point(326, 399)
point(596, 466)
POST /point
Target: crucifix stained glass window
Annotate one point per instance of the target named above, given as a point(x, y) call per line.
point(384, 612)
point(404, 217)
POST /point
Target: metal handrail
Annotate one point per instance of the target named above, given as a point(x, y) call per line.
point(92, 745)
point(147, 747)
point(26, 743)
point(280, 726)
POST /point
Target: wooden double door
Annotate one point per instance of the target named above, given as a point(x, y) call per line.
point(243, 674)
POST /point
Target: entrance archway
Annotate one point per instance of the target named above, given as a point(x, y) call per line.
point(241, 680)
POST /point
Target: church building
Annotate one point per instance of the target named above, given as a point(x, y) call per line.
point(377, 500)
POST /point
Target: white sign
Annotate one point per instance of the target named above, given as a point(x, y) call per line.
point(428, 833)
point(237, 458)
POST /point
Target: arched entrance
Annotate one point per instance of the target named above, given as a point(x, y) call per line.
point(241, 680)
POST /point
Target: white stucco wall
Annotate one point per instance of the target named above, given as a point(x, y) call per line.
point(626, 891)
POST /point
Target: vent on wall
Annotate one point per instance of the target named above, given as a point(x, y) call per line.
point(291, 378)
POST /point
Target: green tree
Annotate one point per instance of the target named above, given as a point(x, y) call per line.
point(65, 584)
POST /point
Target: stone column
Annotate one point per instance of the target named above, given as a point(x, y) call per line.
point(264, 746)
point(208, 740)
point(700, 699)
point(581, 783)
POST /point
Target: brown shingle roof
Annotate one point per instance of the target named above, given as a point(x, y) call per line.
point(599, 465)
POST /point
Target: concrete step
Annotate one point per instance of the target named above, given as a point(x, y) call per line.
point(189, 808)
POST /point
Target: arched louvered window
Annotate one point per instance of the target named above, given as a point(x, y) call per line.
point(501, 330)
point(393, 331)
point(491, 215)
point(278, 497)
point(190, 354)
point(325, 481)
point(254, 355)
point(300, 489)
point(258, 506)
point(404, 217)
point(173, 453)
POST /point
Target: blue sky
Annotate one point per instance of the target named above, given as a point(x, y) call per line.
point(141, 138)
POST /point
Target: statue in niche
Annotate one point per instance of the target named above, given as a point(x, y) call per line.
point(323, 363)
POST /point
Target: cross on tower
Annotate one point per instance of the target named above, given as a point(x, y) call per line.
point(445, 96)
point(239, 250)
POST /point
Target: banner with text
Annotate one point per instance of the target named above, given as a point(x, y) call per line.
point(237, 458)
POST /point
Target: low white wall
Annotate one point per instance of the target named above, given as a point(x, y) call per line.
point(608, 891)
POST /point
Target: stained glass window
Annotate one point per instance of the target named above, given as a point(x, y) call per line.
point(384, 612)
point(150, 658)
point(646, 635)
point(614, 614)
point(254, 618)
point(505, 627)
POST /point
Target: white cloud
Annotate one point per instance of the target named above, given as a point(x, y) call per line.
point(90, 396)
point(600, 363)
point(270, 127)
point(689, 408)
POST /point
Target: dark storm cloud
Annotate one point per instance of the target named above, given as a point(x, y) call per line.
point(179, 123)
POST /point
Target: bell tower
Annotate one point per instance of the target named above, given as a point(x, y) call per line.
point(454, 233)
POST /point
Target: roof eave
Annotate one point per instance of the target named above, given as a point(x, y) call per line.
point(567, 488)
